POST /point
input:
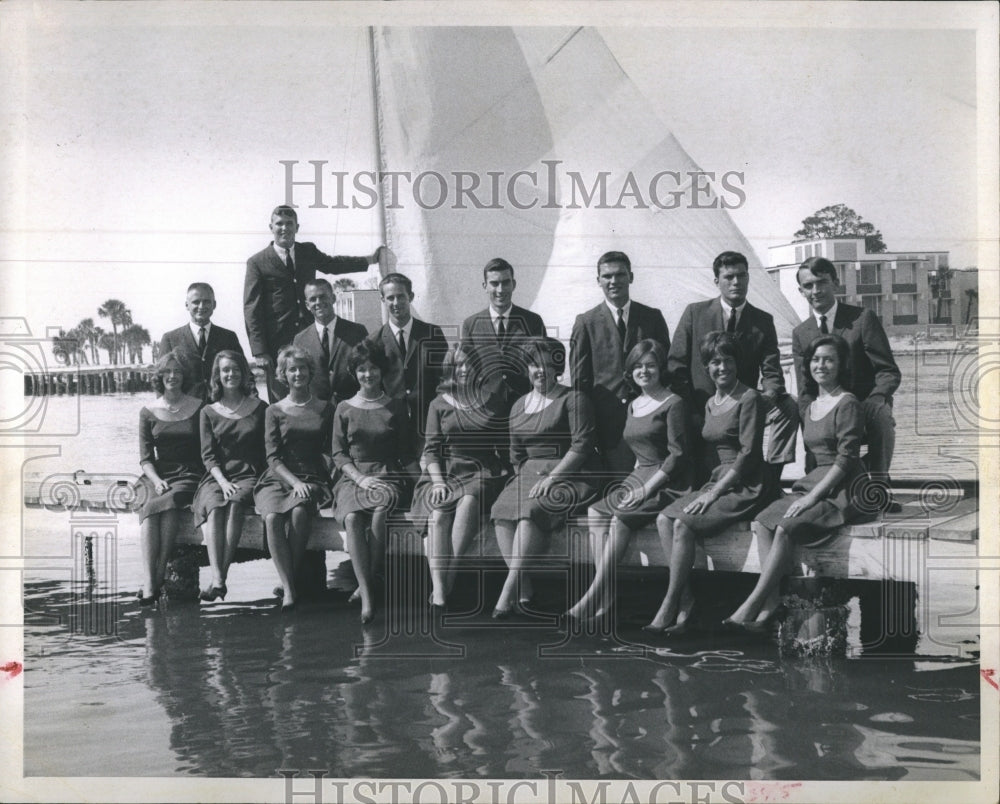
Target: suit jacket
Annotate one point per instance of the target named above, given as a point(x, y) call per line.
point(333, 382)
point(414, 377)
point(273, 301)
point(598, 361)
point(758, 339)
point(502, 368)
point(873, 368)
point(182, 339)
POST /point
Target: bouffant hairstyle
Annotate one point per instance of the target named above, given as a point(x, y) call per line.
point(542, 350)
point(720, 344)
point(247, 384)
point(843, 362)
point(173, 356)
point(368, 351)
point(285, 358)
point(647, 346)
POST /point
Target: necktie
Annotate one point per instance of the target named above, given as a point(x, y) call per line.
point(201, 341)
point(326, 344)
point(501, 329)
point(822, 325)
point(401, 340)
point(288, 262)
point(621, 325)
point(731, 325)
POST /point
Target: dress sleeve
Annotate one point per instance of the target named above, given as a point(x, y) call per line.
point(678, 439)
point(751, 455)
point(341, 450)
point(147, 445)
point(404, 432)
point(849, 427)
point(583, 433)
point(209, 445)
point(434, 438)
point(273, 441)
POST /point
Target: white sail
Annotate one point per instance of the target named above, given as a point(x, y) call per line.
point(544, 117)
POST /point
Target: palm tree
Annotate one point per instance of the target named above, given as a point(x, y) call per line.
point(134, 337)
point(113, 309)
point(88, 335)
point(108, 342)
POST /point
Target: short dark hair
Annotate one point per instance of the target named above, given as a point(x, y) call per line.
point(819, 266)
point(497, 264)
point(843, 362)
point(396, 279)
point(287, 355)
point(614, 256)
point(720, 344)
point(320, 282)
point(542, 348)
point(201, 286)
point(728, 259)
point(173, 356)
point(247, 385)
point(647, 346)
point(284, 209)
point(368, 351)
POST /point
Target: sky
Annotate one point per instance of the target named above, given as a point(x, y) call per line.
point(145, 148)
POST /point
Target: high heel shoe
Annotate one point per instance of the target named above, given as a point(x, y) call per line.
point(214, 592)
point(502, 614)
point(764, 626)
point(150, 600)
point(355, 596)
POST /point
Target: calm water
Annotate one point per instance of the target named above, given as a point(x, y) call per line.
point(235, 689)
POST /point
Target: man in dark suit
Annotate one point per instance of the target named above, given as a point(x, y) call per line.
point(494, 338)
point(273, 303)
point(329, 340)
point(415, 348)
point(199, 341)
point(602, 338)
point(874, 373)
point(754, 329)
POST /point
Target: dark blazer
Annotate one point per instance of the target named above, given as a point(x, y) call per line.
point(873, 368)
point(273, 302)
point(501, 367)
point(414, 378)
point(598, 361)
point(182, 339)
point(333, 382)
point(758, 339)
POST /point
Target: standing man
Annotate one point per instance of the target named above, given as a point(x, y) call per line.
point(874, 373)
point(273, 301)
point(602, 338)
point(754, 329)
point(329, 340)
point(494, 337)
point(416, 351)
point(199, 341)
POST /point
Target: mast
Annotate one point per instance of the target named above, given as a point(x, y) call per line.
point(377, 121)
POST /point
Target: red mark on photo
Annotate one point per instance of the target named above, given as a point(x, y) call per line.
point(988, 675)
point(12, 669)
point(769, 791)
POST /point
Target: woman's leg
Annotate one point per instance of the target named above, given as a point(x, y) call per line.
point(528, 540)
point(281, 555)
point(463, 531)
point(774, 550)
point(600, 537)
point(214, 531)
point(234, 531)
point(678, 602)
point(356, 526)
point(149, 543)
point(298, 535)
point(437, 548)
point(169, 522)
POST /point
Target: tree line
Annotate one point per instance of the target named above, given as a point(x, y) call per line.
point(81, 345)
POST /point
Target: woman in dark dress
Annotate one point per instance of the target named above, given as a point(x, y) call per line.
point(170, 456)
point(737, 488)
point(657, 432)
point(232, 449)
point(463, 470)
point(552, 449)
point(372, 449)
point(296, 436)
point(829, 496)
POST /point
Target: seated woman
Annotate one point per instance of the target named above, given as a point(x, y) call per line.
point(372, 449)
point(232, 449)
point(296, 483)
point(829, 496)
point(552, 444)
point(657, 432)
point(462, 474)
point(170, 456)
point(737, 488)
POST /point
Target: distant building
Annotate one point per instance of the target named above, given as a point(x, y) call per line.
point(910, 291)
point(360, 305)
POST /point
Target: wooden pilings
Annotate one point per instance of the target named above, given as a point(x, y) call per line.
point(89, 381)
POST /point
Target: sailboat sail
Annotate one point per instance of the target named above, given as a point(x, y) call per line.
point(565, 161)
